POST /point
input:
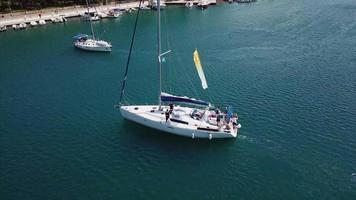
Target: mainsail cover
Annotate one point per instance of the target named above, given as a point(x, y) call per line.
point(171, 98)
point(199, 69)
point(80, 36)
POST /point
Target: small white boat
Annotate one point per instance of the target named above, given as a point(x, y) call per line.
point(144, 7)
point(132, 9)
point(2, 28)
point(114, 14)
point(189, 4)
point(230, 1)
point(203, 4)
point(22, 26)
point(42, 22)
point(33, 23)
point(154, 5)
point(57, 20)
point(90, 16)
point(63, 17)
point(19, 26)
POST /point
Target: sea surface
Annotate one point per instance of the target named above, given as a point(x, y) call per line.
point(287, 67)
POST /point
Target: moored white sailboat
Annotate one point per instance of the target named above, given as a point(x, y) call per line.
point(84, 42)
point(189, 117)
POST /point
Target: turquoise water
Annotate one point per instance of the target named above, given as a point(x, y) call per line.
point(288, 67)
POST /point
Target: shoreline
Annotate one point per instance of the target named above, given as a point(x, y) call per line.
point(46, 14)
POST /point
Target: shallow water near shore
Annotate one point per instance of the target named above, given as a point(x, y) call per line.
point(287, 67)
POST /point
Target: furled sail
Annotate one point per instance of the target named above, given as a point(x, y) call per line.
point(179, 99)
point(199, 69)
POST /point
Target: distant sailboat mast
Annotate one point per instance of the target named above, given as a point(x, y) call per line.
point(91, 24)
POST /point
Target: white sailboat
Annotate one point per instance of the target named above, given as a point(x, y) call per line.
point(87, 43)
point(190, 118)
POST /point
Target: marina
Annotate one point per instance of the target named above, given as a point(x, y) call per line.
point(59, 15)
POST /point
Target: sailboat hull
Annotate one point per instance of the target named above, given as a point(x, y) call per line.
point(151, 117)
point(93, 45)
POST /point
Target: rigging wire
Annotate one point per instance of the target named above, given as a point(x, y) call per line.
point(170, 65)
point(129, 56)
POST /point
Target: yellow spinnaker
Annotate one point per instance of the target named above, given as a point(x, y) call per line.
point(199, 69)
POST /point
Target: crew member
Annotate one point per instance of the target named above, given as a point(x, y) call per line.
point(170, 108)
point(218, 120)
point(167, 115)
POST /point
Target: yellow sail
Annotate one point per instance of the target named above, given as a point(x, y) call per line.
point(199, 69)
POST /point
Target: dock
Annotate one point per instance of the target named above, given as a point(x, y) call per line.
point(47, 14)
point(67, 12)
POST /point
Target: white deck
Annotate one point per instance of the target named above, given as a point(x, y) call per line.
point(180, 122)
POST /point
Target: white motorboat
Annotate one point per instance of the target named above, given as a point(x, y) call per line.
point(230, 1)
point(144, 7)
point(114, 14)
point(42, 22)
point(154, 4)
point(189, 4)
point(63, 18)
point(203, 4)
point(90, 16)
point(22, 26)
point(19, 26)
point(190, 117)
point(33, 23)
point(2, 28)
point(57, 19)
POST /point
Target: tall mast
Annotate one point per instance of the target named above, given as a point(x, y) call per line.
point(91, 24)
point(159, 50)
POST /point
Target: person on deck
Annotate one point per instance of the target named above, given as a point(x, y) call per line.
point(218, 120)
point(167, 115)
point(170, 108)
